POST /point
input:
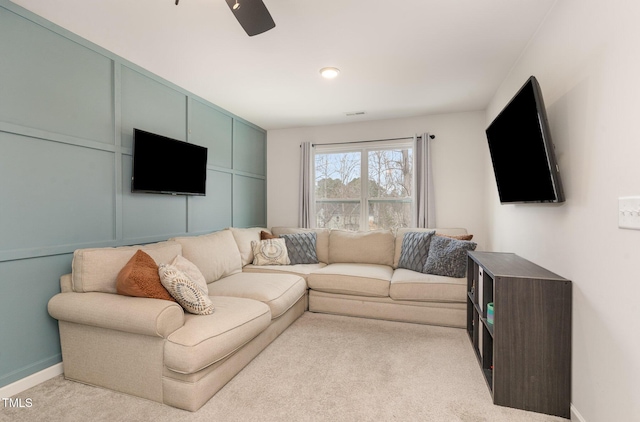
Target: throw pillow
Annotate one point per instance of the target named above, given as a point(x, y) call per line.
point(448, 256)
point(187, 293)
point(301, 247)
point(266, 235)
point(192, 271)
point(139, 278)
point(457, 236)
point(415, 249)
point(270, 252)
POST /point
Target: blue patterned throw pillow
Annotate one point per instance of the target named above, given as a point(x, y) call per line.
point(301, 247)
point(415, 249)
point(448, 257)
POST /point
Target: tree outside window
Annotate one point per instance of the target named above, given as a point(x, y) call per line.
point(383, 201)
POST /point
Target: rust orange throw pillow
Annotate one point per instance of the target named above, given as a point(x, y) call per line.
point(266, 235)
point(458, 236)
point(139, 278)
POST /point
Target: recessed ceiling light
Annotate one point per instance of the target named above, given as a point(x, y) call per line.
point(329, 72)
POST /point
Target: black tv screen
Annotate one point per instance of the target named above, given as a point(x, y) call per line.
point(522, 151)
point(165, 165)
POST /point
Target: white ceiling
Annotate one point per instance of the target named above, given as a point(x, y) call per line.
point(397, 58)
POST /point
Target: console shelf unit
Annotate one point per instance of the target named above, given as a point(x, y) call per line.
point(525, 355)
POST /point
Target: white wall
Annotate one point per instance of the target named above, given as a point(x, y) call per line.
point(457, 151)
point(586, 56)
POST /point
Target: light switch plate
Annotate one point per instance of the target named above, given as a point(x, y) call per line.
point(629, 212)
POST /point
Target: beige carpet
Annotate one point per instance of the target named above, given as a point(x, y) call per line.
point(323, 368)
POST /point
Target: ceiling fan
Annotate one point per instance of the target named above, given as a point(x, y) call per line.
point(252, 15)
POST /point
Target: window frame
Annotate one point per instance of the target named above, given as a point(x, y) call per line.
point(365, 200)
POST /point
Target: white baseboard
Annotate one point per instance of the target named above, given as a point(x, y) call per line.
point(575, 415)
point(31, 381)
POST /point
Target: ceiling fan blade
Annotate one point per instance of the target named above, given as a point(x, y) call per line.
point(252, 15)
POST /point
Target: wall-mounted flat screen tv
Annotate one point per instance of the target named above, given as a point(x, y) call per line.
point(522, 151)
point(169, 166)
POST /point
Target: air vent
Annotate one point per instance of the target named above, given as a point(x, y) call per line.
point(355, 113)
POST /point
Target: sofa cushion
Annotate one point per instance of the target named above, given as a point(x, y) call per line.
point(279, 291)
point(322, 239)
point(206, 339)
point(448, 256)
point(414, 286)
point(139, 278)
point(216, 254)
point(96, 269)
point(187, 293)
point(415, 249)
point(401, 232)
point(303, 270)
point(270, 252)
point(372, 247)
point(352, 279)
point(243, 238)
point(301, 247)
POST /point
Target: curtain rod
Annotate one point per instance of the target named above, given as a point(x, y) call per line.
point(375, 140)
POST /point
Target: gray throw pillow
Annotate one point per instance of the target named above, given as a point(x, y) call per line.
point(448, 257)
point(301, 247)
point(415, 249)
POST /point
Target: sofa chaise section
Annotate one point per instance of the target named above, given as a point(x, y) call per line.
point(192, 391)
point(152, 348)
point(358, 275)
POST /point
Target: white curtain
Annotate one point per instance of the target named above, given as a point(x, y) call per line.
point(305, 214)
point(425, 206)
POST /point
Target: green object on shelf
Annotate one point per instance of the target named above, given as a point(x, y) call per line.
point(490, 313)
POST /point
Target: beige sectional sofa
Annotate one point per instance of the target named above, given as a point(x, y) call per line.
point(358, 275)
point(153, 349)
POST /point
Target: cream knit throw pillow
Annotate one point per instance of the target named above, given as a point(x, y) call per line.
point(187, 293)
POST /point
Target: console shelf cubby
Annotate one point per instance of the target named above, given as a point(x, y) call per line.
point(525, 354)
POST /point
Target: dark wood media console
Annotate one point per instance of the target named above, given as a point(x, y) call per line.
point(525, 355)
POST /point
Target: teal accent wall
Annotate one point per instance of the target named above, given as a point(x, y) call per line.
point(67, 113)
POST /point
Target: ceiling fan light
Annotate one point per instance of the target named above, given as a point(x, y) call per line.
point(329, 72)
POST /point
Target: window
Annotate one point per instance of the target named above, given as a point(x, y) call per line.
point(346, 200)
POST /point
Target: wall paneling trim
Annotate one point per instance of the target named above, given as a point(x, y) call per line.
point(67, 113)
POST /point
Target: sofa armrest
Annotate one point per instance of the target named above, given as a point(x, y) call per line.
point(137, 315)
